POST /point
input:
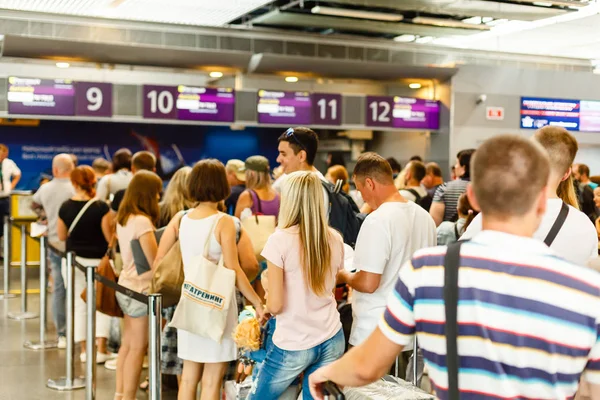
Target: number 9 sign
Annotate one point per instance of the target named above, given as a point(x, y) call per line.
point(93, 99)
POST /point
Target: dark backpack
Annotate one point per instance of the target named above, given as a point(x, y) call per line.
point(424, 202)
point(344, 215)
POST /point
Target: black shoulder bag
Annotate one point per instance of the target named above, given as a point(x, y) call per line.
point(558, 224)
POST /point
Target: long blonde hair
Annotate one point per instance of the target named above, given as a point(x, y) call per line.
point(302, 205)
point(175, 199)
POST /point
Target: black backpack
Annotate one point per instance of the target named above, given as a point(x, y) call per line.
point(344, 215)
point(424, 202)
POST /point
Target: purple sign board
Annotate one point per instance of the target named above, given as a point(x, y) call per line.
point(41, 96)
point(412, 113)
point(327, 109)
point(205, 104)
point(285, 108)
point(159, 101)
point(93, 99)
point(379, 111)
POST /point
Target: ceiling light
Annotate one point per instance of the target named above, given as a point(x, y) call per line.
point(485, 20)
point(448, 23)
point(216, 74)
point(414, 85)
point(496, 22)
point(291, 79)
point(63, 64)
point(405, 38)
point(542, 4)
point(473, 20)
point(425, 39)
point(345, 12)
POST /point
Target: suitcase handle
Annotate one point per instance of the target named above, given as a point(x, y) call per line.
point(332, 391)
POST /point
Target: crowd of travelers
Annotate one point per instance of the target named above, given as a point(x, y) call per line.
point(519, 220)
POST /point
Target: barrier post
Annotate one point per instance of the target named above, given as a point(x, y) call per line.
point(6, 256)
point(90, 335)
point(69, 382)
point(154, 338)
point(24, 314)
point(42, 344)
point(415, 380)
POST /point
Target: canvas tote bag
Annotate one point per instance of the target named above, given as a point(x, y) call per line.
point(259, 227)
point(205, 296)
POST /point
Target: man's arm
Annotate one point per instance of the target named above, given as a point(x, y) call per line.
point(437, 211)
point(15, 180)
point(360, 366)
point(364, 282)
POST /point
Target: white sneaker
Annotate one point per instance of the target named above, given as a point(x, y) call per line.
point(101, 358)
point(111, 364)
point(62, 342)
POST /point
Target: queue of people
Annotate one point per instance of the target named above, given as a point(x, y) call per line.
point(527, 304)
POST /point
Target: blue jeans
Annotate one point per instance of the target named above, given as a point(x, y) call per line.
point(282, 367)
point(59, 294)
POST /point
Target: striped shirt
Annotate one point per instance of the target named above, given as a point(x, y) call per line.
point(448, 193)
point(528, 320)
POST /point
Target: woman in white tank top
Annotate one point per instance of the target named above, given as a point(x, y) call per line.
point(205, 360)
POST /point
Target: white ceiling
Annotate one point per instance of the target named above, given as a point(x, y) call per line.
point(576, 35)
point(188, 12)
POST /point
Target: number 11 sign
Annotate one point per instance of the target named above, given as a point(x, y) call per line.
point(327, 109)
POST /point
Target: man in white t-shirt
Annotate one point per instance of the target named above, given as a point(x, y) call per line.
point(577, 239)
point(413, 191)
point(10, 175)
point(387, 239)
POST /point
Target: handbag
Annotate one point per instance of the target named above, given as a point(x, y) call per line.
point(106, 300)
point(205, 296)
point(168, 277)
point(259, 227)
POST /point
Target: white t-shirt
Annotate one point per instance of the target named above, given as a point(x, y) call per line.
point(387, 239)
point(112, 183)
point(410, 196)
point(577, 240)
point(9, 171)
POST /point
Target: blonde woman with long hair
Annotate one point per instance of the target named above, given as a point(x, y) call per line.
point(175, 199)
point(304, 256)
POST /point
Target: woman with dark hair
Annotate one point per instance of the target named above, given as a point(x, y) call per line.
point(137, 217)
point(449, 232)
point(84, 222)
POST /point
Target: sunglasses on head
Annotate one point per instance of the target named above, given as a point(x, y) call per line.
point(290, 134)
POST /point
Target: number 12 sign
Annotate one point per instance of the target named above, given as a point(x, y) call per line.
point(327, 109)
point(379, 111)
point(93, 99)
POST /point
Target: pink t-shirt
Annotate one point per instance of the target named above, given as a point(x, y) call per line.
point(136, 226)
point(307, 320)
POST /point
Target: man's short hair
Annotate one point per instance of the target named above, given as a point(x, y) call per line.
point(509, 173)
point(433, 169)
point(560, 145)
point(417, 170)
point(396, 166)
point(3, 148)
point(143, 161)
point(121, 160)
point(464, 159)
point(302, 138)
point(101, 165)
point(416, 158)
point(583, 170)
point(372, 165)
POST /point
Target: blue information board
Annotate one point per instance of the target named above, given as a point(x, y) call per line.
point(537, 112)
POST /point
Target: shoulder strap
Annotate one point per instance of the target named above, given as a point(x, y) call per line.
point(211, 233)
point(338, 186)
point(256, 199)
point(80, 214)
point(560, 221)
point(451, 266)
point(456, 230)
point(415, 193)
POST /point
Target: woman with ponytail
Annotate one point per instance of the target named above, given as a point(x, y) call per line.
point(84, 222)
point(304, 255)
point(449, 232)
point(576, 240)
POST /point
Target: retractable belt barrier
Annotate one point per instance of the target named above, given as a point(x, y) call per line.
point(70, 382)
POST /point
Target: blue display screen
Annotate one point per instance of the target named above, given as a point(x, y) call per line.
point(537, 112)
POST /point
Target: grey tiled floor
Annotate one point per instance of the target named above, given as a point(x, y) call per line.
point(23, 373)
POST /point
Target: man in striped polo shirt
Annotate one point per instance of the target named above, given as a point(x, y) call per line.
point(528, 321)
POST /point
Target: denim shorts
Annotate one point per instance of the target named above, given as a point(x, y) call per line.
point(132, 307)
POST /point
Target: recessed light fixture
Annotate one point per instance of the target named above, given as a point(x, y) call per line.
point(360, 14)
point(291, 79)
point(414, 85)
point(216, 74)
point(472, 20)
point(63, 64)
point(405, 38)
point(425, 39)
